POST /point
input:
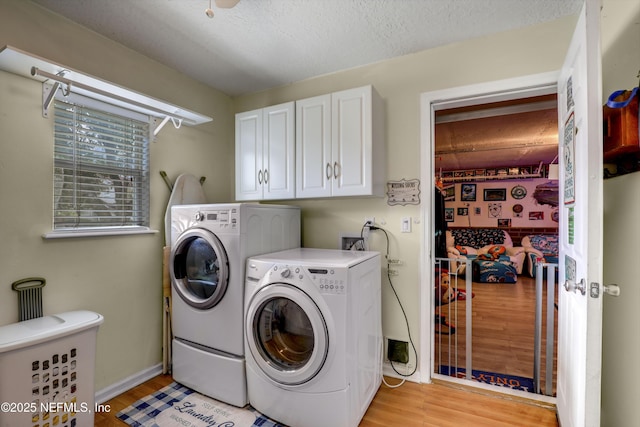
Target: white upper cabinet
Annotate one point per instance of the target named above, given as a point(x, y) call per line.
point(324, 146)
point(314, 162)
point(340, 144)
point(265, 161)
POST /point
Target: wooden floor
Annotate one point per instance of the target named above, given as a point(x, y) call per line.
point(503, 330)
point(502, 342)
point(409, 405)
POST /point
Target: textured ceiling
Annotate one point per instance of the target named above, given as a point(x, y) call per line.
point(260, 44)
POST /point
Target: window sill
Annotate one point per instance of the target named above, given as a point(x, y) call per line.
point(100, 232)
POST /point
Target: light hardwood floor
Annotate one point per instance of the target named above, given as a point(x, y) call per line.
point(503, 329)
point(502, 342)
point(408, 405)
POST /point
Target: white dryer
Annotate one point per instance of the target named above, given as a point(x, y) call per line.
point(209, 248)
point(313, 335)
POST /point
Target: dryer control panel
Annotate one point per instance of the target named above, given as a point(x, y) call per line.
point(218, 218)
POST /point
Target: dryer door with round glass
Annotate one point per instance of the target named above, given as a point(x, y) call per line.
point(287, 334)
point(199, 268)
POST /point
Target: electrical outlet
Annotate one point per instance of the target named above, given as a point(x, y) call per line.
point(393, 272)
point(394, 261)
point(370, 220)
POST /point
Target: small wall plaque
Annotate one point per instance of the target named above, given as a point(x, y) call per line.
point(403, 192)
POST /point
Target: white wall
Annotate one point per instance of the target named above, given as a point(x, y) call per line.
point(400, 82)
point(119, 277)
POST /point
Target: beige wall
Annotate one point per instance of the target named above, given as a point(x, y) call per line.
point(620, 35)
point(119, 277)
point(400, 82)
point(620, 66)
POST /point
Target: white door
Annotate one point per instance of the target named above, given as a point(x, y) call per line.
point(199, 269)
point(286, 334)
point(352, 141)
point(581, 210)
point(313, 147)
point(278, 145)
point(249, 155)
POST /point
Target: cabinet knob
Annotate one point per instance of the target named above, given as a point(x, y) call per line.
point(328, 169)
point(260, 177)
point(336, 170)
point(266, 176)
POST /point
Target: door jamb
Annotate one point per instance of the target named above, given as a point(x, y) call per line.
point(500, 90)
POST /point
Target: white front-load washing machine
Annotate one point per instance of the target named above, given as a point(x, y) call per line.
point(313, 335)
point(209, 248)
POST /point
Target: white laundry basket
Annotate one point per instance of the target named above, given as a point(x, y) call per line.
point(47, 371)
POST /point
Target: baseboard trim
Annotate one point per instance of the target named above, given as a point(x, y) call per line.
point(128, 383)
point(388, 371)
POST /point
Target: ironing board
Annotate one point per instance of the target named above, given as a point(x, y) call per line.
point(187, 190)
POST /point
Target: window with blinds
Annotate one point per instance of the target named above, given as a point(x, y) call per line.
point(101, 169)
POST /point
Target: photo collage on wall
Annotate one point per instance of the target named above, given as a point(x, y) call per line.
point(503, 203)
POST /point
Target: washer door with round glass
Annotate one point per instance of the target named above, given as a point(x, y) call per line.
point(287, 334)
point(199, 268)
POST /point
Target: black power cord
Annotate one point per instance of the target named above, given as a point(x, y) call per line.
point(371, 227)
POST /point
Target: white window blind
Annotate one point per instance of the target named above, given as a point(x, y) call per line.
point(101, 169)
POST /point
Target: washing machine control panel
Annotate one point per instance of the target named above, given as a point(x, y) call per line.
point(326, 280)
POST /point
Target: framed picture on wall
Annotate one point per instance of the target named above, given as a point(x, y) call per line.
point(495, 194)
point(536, 216)
point(468, 192)
point(494, 209)
point(448, 214)
point(449, 192)
point(504, 222)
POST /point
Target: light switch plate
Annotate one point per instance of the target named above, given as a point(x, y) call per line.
point(405, 225)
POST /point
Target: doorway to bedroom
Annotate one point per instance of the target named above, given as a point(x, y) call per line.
point(495, 219)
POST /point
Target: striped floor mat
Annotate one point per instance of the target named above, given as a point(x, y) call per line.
point(177, 405)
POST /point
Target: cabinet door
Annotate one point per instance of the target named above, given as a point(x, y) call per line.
point(314, 166)
point(278, 166)
point(249, 174)
point(351, 141)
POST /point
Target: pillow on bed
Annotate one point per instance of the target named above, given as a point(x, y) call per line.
point(491, 252)
point(466, 250)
